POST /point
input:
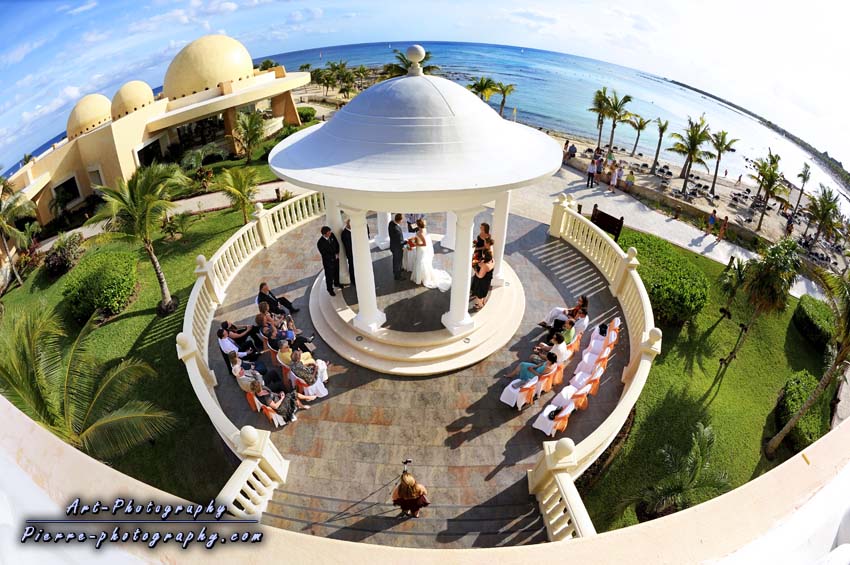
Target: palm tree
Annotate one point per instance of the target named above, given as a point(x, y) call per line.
point(249, 132)
point(240, 186)
point(402, 64)
point(731, 280)
point(616, 111)
point(837, 289)
point(135, 209)
point(267, 64)
point(771, 183)
point(662, 129)
point(362, 73)
point(690, 479)
point(27, 158)
point(346, 82)
point(824, 211)
point(804, 177)
point(639, 124)
point(6, 187)
point(768, 281)
point(600, 107)
point(79, 399)
point(305, 68)
point(689, 145)
point(505, 90)
point(13, 209)
point(484, 87)
point(194, 158)
point(722, 144)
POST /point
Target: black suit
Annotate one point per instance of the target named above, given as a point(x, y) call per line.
point(329, 250)
point(396, 247)
point(349, 252)
point(277, 305)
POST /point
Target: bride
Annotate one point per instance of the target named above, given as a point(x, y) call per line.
point(424, 272)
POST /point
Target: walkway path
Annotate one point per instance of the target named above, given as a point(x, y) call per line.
point(529, 202)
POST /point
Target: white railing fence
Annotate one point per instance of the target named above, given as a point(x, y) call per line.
point(551, 480)
point(263, 468)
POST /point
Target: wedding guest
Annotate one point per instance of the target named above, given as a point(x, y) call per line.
point(240, 334)
point(349, 250)
point(309, 371)
point(410, 495)
point(482, 278)
point(277, 305)
point(572, 152)
point(564, 313)
point(328, 247)
point(227, 345)
point(600, 166)
point(246, 373)
point(591, 173)
point(284, 404)
point(526, 370)
point(483, 235)
point(558, 347)
point(630, 180)
point(581, 321)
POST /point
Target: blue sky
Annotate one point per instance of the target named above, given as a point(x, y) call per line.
point(771, 57)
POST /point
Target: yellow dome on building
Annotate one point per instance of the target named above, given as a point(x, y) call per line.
point(130, 97)
point(206, 63)
point(91, 111)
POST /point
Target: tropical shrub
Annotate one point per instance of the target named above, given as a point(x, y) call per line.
point(176, 225)
point(815, 320)
point(677, 289)
point(66, 251)
point(28, 262)
point(307, 114)
point(814, 423)
point(102, 281)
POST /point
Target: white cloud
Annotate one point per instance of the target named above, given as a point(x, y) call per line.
point(220, 7)
point(83, 8)
point(19, 52)
point(63, 7)
point(532, 19)
point(95, 36)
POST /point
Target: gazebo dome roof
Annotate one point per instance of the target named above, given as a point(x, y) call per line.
point(91, 111)
point(130, 97)
point(416, 133)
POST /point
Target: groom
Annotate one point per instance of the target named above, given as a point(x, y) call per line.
point(396, 244)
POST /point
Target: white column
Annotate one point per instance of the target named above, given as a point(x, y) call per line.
point(457, 319)
point(448, 241)
point(383, 239)
point(369, 318)
point(499, 231)
point(334, 221)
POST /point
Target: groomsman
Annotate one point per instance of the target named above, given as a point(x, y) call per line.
point(397, 244)
point(349, 251)
point(329, 250)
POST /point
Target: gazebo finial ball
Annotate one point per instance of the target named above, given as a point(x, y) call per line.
point(415, 53)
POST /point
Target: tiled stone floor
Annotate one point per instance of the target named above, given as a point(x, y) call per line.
point(468, 448)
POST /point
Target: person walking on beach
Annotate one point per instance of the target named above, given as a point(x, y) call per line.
point(738, 182)
point(712, 219)
point(591, 173)
point(721, 235)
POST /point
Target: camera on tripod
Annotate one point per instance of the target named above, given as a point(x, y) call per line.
point(406, 462)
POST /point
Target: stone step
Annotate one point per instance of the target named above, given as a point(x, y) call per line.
point(489, 336)
point(440, 526)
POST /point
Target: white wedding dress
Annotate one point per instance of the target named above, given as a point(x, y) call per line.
point(424, 272)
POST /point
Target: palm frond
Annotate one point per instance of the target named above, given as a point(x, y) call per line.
point(124, 428)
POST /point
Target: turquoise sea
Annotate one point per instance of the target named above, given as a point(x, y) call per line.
point(554, 90)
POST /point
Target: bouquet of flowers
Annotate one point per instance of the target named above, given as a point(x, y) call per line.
point(409, 244)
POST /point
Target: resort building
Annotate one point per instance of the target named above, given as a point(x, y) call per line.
point(206, 84)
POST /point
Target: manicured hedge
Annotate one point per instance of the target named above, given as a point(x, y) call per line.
point(101, 281)
point(677, 288)
point(815, 422)
point(306, 113)
point(815, 320)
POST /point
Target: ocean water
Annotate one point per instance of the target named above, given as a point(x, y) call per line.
point(554, 90)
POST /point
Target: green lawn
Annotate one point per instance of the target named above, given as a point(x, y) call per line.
point(682, 389)
point(192, 461)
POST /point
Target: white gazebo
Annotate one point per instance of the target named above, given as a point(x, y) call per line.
point(417, 143)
